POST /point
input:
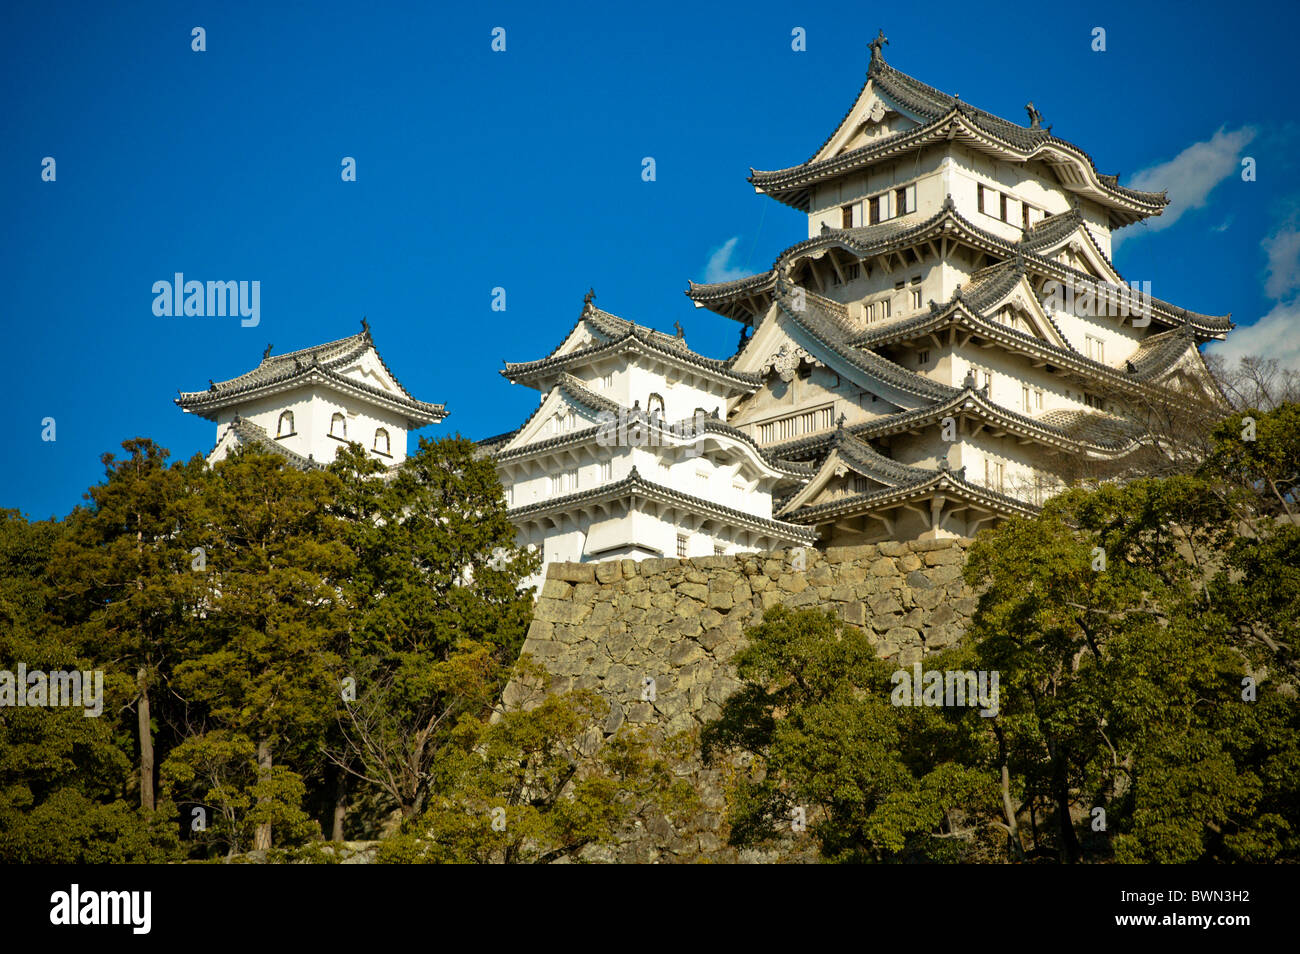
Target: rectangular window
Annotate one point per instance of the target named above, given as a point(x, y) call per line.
point(1002, 207)
point(860, 485)
point(510, 496)
point(606, 470)
point(719, 549)
point(681, 545)
point(922, 357)
point(1025, 392)
point(993, 472)
point(900, 202)
point(1095, 348)
point(607, 381)
point(1024, 216)
point(846, 217)
point(884, 308)
point(852, 272)
point(986, 199)
point(873, 208)
point(871, 312)
point(1038, 400)
point(916, 293)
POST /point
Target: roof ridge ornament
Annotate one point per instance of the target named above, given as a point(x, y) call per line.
point(877, 52)
point(267, 353)
point(948, 204)
point(1035, 117)
point(588, 298)
point(365, 326)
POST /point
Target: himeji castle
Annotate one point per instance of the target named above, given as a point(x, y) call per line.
point(942, 351)
point(948, 340)
point(306, 405)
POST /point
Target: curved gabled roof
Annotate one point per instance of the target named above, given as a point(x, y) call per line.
point(497, 446)
point(871, 240)
point(949, 482)
point(828, 330)
point(941, 116)
point(1077, 431)
point(305, 366)
point(635, 484)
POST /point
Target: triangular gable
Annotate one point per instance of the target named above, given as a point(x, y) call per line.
point(833, 474)
point(777, 330)
point(368, 368)
point(871, 117)
point(1025, 301)
point(1079, 250)
point(558, 401)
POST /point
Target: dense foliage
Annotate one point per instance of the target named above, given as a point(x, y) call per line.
point(1144, 635)
point(289, 656)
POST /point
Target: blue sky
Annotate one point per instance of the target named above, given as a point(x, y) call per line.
point(522, 169)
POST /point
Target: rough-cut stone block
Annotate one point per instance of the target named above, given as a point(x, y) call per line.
point(944, 557)
point(571, 572)
point(792, 583)
point(615, 718)
point(892, 548)
point(903, 636)
point(885, 604)
point(925, 546)
point(908, 562)
point(855, 614)
point(942, 614)
point(945, 574)
point(821, 576)
point(561, 611)
point(720, 599)
point(610, 571)
point(884, 567)
point(685, 652)
point(806, 597)
point(556, 590)
point(917, 580)
point(640, 712)
point(697, 591)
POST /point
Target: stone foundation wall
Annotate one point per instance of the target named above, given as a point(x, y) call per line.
point(607, 626)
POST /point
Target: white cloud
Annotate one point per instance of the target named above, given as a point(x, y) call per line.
point(720, 268)
point(1276, 335)
point(1283, 250)
point(1191, 175)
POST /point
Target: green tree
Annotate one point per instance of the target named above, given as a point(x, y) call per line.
point(436, 568)
point(262, 667)
point(815, 723)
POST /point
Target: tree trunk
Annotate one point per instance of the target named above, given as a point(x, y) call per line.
point(1013, 828)
point(340, 804)
point(262, 837)
point(146, 741)
point(1070, 847)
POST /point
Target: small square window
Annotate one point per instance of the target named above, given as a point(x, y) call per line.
point(681, 545)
